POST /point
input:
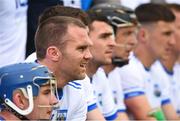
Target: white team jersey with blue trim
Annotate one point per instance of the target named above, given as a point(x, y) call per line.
point(136, 80)
point(116, 87)
point(133, 78)
point(104, 95)
point(73, 104)
point(78, 96)
point(160, 81)
point(13, 31)
point(89, 93)
point(169, 82)
point(176, 89)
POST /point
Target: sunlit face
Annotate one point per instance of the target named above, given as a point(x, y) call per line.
point(161, 39)
point(125, 41)
point(76, 54)
point(177, 31)
point(43, 104)
point(102, 37)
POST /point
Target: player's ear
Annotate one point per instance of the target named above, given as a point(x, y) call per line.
point(142, 34)
point(20, 100)
point(53, 53)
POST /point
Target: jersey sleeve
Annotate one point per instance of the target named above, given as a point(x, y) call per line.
point(116, 87)
point(73, 104)
point(89, 92)
point(104, 95)
point(110, 111)
point(132, 82)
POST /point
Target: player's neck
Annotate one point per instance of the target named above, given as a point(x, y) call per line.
point(178, 60)
point(169, 63)
point(92, 67)
point(145, 56)
point(108, 68)
point(61, 77)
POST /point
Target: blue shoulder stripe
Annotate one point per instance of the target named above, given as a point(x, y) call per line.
point(76, 83)
point(74, 86)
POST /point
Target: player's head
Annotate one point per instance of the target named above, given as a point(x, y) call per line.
point(52, 32)
point(59, 10)
point(176, 10)
point(157, 29)
point(22, 86)
point(150, 12)
point(102, 36)
point(123, 20)
point(62, 40)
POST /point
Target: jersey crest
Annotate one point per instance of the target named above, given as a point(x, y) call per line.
point(59, 115)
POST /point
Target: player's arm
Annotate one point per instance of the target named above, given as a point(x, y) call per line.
point(122, 116)
point(139, 107)
point(166, 104)
point(170, 112)
point(95, 114)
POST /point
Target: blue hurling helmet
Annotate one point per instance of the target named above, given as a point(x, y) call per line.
point(28, 77)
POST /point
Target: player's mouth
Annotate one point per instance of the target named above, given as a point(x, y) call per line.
point(83, 65)
point(109, 52)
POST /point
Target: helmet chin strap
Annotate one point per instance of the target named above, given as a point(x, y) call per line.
point(18, 110)
point(117, 61)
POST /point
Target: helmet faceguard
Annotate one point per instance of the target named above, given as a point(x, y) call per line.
point(27, 77)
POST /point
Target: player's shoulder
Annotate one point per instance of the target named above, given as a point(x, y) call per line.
point(100, 77)
point(156, 67)
point(74, 85)
point(83, 82)
point(133, 65)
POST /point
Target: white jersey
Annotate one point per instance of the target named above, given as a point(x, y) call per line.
point(104, 95)
point(116, 87)
point(73, 104)
point(89, 93)
point(136, 80)
point(160, 81)
point(78, 98)
point(176, 85)
point(133, 78)
point(169, 82)
point(13, 31)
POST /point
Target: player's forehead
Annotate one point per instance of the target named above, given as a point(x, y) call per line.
point(100, 27)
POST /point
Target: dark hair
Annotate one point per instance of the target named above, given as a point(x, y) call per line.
point(96, 15)
point(174, 6)
point(52, 31)
point(59, 10)
point(151, 12)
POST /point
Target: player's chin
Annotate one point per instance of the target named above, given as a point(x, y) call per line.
point(81, 75)
point(107, 61)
